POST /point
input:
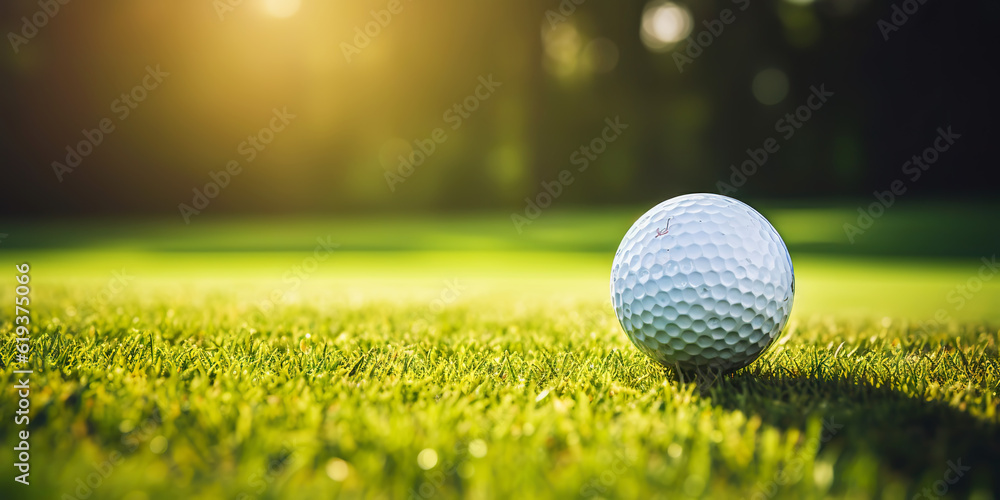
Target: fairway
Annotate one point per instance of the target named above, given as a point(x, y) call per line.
point(223, 365)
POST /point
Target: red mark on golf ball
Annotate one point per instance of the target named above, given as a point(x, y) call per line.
point(664, 231)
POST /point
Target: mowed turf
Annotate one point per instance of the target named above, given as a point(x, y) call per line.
point(419, 372)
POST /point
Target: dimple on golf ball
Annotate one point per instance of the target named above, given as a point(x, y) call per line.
point(702, 282)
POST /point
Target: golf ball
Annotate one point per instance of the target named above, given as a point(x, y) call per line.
point(702, 282)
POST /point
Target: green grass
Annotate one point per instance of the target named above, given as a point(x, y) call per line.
point(522, 385)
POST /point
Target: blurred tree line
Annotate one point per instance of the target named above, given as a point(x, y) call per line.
point(562, 68)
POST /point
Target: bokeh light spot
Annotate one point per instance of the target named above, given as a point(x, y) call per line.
point(664, 24)
point(337, 469)
point(770, 86)
point(427, 459)
point(158, 445)
point(478, 448)
point(601, 55)
point(802, 28)
point(562, 48)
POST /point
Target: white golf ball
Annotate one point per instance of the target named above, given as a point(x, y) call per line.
point(702, 282)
